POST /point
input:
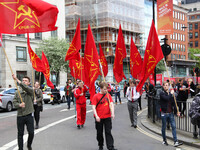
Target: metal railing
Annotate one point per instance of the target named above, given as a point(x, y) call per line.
point(183, 122)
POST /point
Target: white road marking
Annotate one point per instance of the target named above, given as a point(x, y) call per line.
point(14, 142)
point(7, 116)
point(66, 109)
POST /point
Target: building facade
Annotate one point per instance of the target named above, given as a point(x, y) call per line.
point(17, 51)
point(104, 17)
point(178, 59)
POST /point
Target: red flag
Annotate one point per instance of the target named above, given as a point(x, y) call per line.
point(135, 61)
point(35, 60)
point(91, 63)
point(27, 16)
point(1, 39)
point(77, 69)
point(120, 54)
point(152, 56)
point(47, 70)
point(103, 61)
point(75, 46)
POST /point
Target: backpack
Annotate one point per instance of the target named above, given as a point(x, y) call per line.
point(158, 91)
point(194, 111)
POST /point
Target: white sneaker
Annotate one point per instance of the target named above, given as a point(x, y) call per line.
point(177, 143)
point(165, 143)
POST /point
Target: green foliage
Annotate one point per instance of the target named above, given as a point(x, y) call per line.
point(193, 51)
point(55, 50)
point(160, 67)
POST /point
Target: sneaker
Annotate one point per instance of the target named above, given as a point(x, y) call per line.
point(165, 143)
point(135, 126)
point(177, 143)
point(100, 147)
point(82, 125)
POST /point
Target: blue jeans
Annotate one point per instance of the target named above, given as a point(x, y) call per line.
point(164, 117)
point(117, 94)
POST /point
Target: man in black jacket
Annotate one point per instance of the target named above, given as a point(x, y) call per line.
point(167, 105)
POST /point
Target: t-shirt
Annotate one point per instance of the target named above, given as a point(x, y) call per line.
point(103, 109)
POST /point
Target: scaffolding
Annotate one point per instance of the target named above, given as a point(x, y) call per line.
point(104, 17)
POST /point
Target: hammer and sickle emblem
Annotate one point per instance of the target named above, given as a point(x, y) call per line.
point(25, 13)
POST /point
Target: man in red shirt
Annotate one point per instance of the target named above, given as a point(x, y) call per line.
point(79, 94)
point(102, 105)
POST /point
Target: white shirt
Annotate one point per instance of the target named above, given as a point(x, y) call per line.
point(135, 96)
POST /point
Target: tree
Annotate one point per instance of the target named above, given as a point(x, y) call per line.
point(55, 50)
point(160, 67)
point(193, 51)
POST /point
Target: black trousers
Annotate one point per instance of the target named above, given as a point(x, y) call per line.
point(139, 101)
point(21, 122)
point(107, 125)
point(37, 114)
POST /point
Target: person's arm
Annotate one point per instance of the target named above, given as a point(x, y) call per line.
point(112, 110)
point(128, 92)
point(16, 103)
point(26, 88)
point(95, 113)
point(136, 96)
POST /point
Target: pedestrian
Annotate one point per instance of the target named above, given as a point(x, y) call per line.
point(167, 104)
point(38, 106)
point(24, 111)
point(71, 84)
point(132, 104)
point(79, 94)
point(68, 91)
point(139, 99)
point(103, 108)
point(125, 88)
point(182, 96)
point(194, 111)
point(117, 90)
point(158, 90)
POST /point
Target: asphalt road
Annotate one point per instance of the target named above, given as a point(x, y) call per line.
point(58, 131)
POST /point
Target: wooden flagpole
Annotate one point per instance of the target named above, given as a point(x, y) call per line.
point(11, 70)
point(170, 84)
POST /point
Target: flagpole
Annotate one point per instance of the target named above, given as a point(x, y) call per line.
point(81, 69)
point(40, 78)
point(11, 70)
point(128, 69)
point(33, 84)
point(170, 84)
point(105, 81)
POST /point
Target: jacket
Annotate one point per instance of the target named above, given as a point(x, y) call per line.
point(39, 97)
point(27, 97)
point(194, 111)
point(164, 100)
point(80, 99)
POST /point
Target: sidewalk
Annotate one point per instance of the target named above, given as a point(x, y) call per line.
point(185, 137)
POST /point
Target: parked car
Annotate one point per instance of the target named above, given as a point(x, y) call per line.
point(62, 94)
point(47, 95)
point(6, 98)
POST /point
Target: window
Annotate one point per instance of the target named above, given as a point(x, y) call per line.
point(192, 17)
point(54, 33)
point(196, 25)
point(196, 34)
point(38, 36)
point(191, 44)
point(178, 15)
point(183, 17)
point(175, 14)
point(198, 16)
point(190, 27)
point(174, 46)
point(21, 74)
point(21, 55)
point(21, 35)
point(194, 9)
point(183, 37)
point(196, 43)
point(184, 48)
point(190, 35)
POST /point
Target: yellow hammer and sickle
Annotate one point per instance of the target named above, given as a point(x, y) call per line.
point(25, 13)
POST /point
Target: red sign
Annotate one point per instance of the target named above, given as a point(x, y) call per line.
point(165, 17)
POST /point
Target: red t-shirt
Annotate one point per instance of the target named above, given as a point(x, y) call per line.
point(103, 109)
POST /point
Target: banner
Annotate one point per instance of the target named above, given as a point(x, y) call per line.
point(158, 78)
point(165, 17)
